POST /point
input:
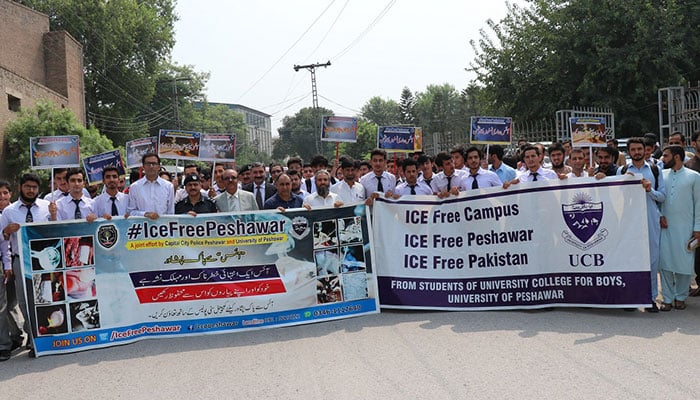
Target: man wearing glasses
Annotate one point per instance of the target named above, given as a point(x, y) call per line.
point(234, 200)
point(151, 196)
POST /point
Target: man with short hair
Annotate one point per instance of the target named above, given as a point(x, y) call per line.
point(61, 185)
point(111, 202)
point(295, 164)
point(27, 208)
point(364, 168)
point(295, 176)
point(556, 156)
point(245, 176)
point(425, 169)
point(449, 180)
point(76, 205)
point(655, 190)
point(678, 139)
point(151, 196)
point(577, 161)
point(502, 170)
point(234, 199)
point(219, 186)
point(478, 178)
point(284, 199)
point(377, 180)
point(694, 164)
point(621, 160)
point(322, 198)
point(260, 189)
point(8, 294)
point(194, 203)
point(348, 190)
point(680, 223)
point(606, 164)
point(275, 170)
point(458, 158)
point(533, 168)
point(412, 186)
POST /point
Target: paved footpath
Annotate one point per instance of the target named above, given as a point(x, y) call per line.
point(561, 354)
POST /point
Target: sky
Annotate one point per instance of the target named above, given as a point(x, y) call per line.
point(376, 48)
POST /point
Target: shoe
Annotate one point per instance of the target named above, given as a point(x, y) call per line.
point(665, 307)
point(679, 305)
point(31, 353)
point(694, 292)
point(17, 343)
point(5, 355)
point(653, 309)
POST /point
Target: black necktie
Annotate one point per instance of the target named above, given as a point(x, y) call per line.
point(308, 185)
point(29, 217)
point(115, 212)
point(428, 181)
point(475, 184)
point(78, 215)
point(413, 189)
point(258, 198)
point(449, 183)
point(534, 176)
point(380, 187)
point(65, 193)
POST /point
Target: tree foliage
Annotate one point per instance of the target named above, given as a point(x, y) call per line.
point(406, 107)
point(124, 44)
point(381, 112)
point(556, 54)
point(300, 134)
point(47, 120)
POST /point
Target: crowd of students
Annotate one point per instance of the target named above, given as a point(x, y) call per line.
point(673, 212)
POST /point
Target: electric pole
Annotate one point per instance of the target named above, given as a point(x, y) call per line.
point(314, 94)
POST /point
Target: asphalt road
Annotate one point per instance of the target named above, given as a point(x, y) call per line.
point(560, 354)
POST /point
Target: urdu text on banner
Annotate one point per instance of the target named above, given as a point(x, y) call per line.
point(112, 282)
point(578, 243)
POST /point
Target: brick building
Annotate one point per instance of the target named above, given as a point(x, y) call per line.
point(36, 64)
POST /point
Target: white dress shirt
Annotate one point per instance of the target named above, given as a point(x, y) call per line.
point(316, 201)
point(347, 194)
point(102, 204)
point(542, 174)
point(369, 181)
point(66, 208)
point(151, 196)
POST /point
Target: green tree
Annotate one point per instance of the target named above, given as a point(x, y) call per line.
point(437, 111)
point(406, 105)
point(381, 112)
point(47, 120)
point(556, 54)
point(300, 134)
point(366, 141)
point(124, 43)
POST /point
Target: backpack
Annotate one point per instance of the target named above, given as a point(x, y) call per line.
point(654, 171)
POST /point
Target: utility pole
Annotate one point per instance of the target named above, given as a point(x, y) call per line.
point(314, 94)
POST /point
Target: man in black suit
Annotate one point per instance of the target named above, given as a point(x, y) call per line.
point(261, 190)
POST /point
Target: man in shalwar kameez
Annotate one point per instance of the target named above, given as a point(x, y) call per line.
point(680, 221)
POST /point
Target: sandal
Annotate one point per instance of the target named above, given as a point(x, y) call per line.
point(666, 307)
point(679, 305)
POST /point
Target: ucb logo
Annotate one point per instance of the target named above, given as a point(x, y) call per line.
point(583, 217)
point(586, 260)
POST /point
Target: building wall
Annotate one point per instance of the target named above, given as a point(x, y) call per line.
point(36, 64)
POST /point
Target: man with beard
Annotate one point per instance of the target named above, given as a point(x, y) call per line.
point(478, 177)
point(295, 176)
point(348, 190)
point(694, 164)
point(606, 162)
point(260, 189)
point(556, 156)
point(533, 169)
point(680, 222)
point(28, 208)
point(284, 198)
point(112, 202)
point(322, 198)
point(653, 184)
point(195, 203)
point(244, 176)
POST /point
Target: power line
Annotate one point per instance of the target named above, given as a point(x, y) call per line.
point(286, 52)
point(328, 31)
point(340, 105)
point(359, 37)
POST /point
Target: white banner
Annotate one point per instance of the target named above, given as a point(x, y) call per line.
point(543, 244)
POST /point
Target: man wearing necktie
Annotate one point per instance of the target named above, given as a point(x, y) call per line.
point(232, 199)
point(260, 189)
point(377, 180)
point(534, 171)
point(76, 205)
point(479, 177)
point(449, 181)
point(28, 208)
point(111, 202)
point(412, 186)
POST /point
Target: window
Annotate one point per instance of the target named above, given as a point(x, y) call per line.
point(13, 103)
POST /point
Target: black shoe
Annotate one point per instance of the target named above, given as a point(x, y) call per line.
point(5, 355)
point(31, 353)
point(653, 309)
